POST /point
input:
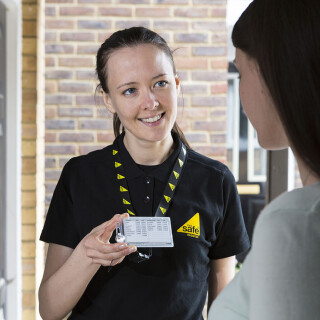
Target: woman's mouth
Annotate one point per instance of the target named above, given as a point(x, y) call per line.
point(152, 120)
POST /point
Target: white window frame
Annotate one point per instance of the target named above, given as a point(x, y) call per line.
point(13, 268)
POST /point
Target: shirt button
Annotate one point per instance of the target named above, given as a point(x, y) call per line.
point(148, 180)
point(146, 199)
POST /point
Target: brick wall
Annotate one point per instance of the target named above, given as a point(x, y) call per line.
point(74, 31)
point(29, 163)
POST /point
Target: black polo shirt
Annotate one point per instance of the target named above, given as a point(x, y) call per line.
point(206, 220)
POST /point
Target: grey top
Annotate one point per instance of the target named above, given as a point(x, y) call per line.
point(280, 279)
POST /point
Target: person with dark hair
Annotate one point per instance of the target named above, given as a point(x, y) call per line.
point(277, 54)
point(149, 171)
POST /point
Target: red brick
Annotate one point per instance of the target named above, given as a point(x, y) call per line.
point(191, 63)
point(86, 75)
point(94, 24)
point(209, 25)
point(219, 12)
point(50, 36)
point(209, 51)
point(58, 74)
point(76, 137)
point(164, 2)
point(105, 137)
point(197, 137)
point(74, 87)
point(218, 138)
point(193, 113)
point(103, 36)
point(76, 11)
point(208, 101)
point(133, 1)
point(211, 151)
point(50, 87)
point(49, 62)
point(76, 62)
point(191, 37)
point(52, 174)
point(210, 2)
point(115, 12)
point(75, 112)
point(50, 187)
point(59, 24)
point(152, 12)
point(95, 1)
point(60, 149)
point(209, 125)
point(60, 124)
point(170, 25)
point(60, 1)
point(132, 23)
point(58, 99)
point(208, 76)
point(76, 36)
point(95, 124)
point(88, 49)
point(50, 163)
point(194, 89)
point(50, 11)
point(50, 137)
point(219, 88)
point(63, 161)
point(90, 148)
point(219, 64)
point(218, 114)
point(219, 37)
point(50, 112)
point(85, 100)
point(191, 12)
point(58, 48)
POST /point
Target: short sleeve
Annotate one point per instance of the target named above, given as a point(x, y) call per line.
point(59, 227)
point(285, 275)
point(232, 237)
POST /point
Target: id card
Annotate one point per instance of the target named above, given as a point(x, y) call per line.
point(145, 232)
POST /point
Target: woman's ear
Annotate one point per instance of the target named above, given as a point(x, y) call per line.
point(108, 102)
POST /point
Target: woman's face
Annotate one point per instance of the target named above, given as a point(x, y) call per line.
point(258, 104)
point(143, 92)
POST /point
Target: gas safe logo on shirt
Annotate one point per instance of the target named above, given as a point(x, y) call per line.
point(191, 227)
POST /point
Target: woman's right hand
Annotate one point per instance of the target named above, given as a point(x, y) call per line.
point(98, 247)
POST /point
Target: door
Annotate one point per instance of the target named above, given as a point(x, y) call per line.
point(2, 157)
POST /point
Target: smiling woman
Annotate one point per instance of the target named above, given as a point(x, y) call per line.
point(149, 171)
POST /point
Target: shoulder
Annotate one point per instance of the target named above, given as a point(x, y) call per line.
point(197, 161)
point(292, 220)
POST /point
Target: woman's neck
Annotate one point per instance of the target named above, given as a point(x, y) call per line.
point(147, 152)
point(308, 177)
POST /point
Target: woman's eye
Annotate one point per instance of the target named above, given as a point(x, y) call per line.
point(161, 83)
point(129, 91)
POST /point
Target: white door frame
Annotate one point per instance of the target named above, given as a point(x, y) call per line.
point(13, 268)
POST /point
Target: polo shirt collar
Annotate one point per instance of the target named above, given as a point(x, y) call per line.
point(160, 172)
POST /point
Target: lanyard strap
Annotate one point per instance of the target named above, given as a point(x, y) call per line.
point(168, 190)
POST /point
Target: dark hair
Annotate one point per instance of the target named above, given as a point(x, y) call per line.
point(283, 37)
point(129, 38)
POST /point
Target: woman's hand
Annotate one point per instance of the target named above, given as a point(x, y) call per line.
point(98, 247)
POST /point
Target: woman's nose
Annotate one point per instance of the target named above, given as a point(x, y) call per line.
point(149, 101)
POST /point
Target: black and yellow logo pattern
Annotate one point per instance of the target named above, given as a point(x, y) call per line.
point(191, 227)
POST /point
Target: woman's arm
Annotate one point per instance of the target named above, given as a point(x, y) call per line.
point(68, 272)
point(221, 273)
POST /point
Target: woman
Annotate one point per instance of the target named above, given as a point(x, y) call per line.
point(277, 55)
point(140, 87)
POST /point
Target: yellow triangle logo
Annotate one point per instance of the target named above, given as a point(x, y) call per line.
point(192, 226)
point(122, 189)
point(172, 186)
point(176, 174)
point(181, 163)
point(114, 152)
point(117, 164)
point(125, 201)
point(163, 210)
point(130, 212)
point(167, 198)
point(119, 176)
